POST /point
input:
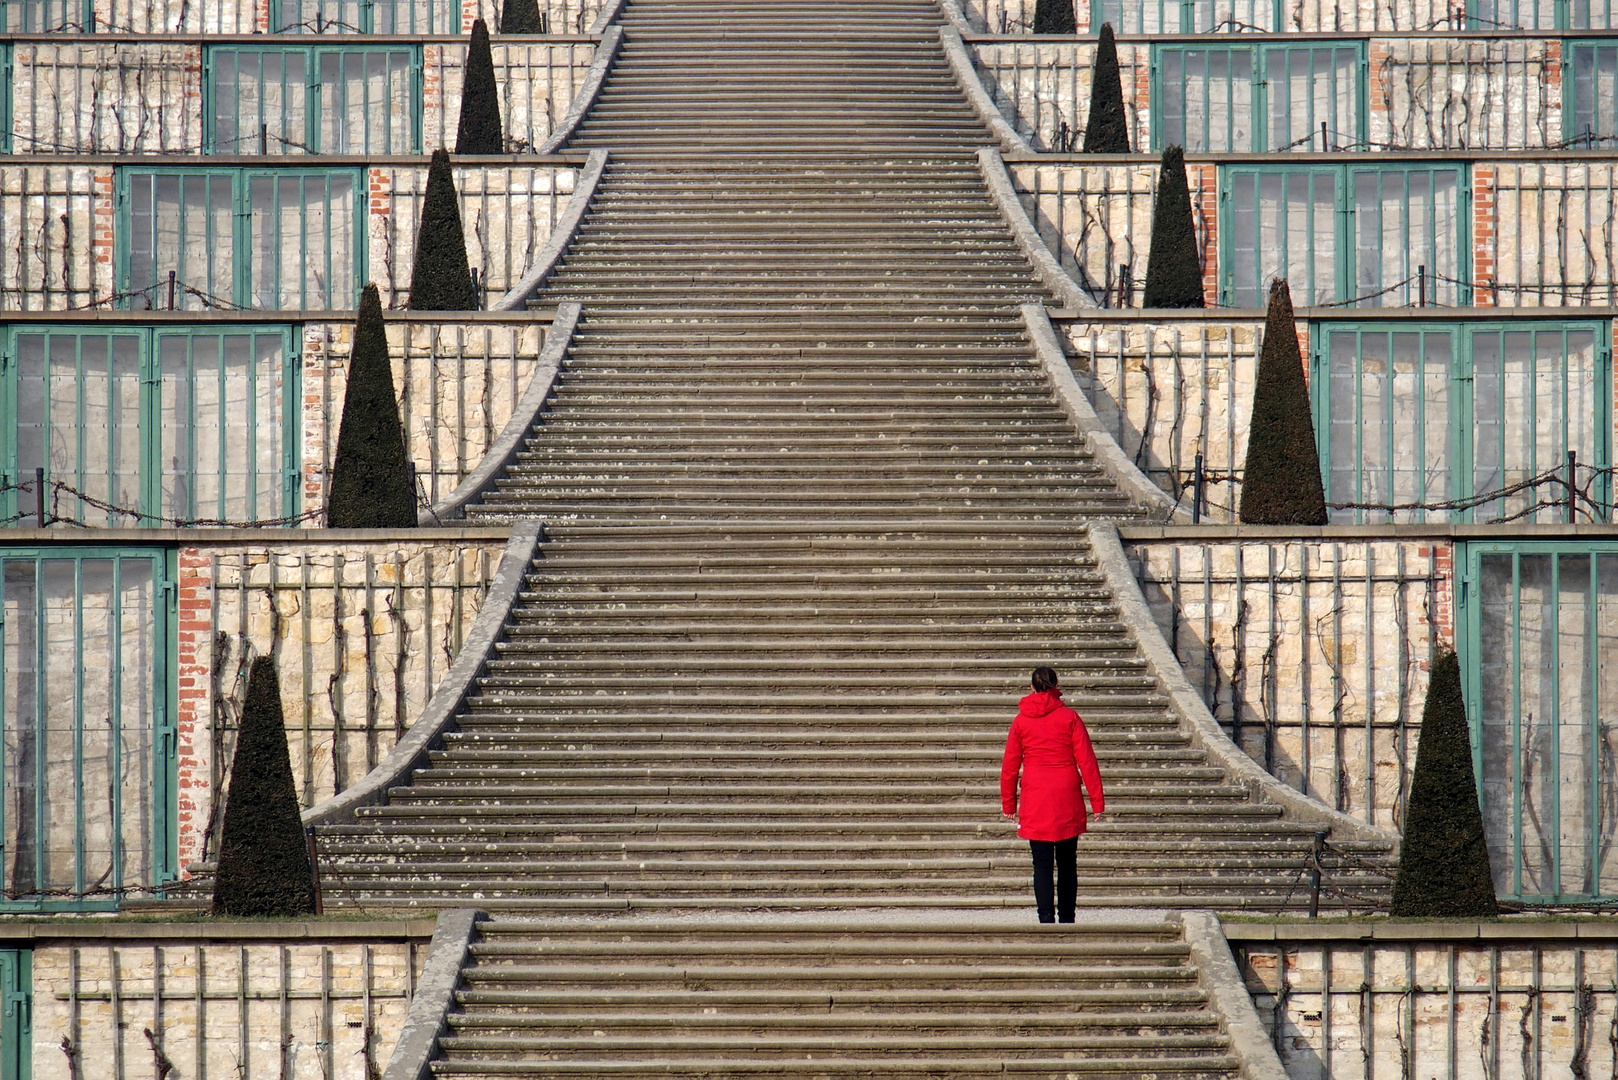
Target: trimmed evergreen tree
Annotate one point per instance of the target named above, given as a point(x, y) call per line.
point(370, 478)
point(1108, 129)
point(1054, 17)
point(479, 132)
point(1173, 267)
point(1444, 858)
point(263, 856)
point(441, 279)
point(1281, 479)
point(520, 17)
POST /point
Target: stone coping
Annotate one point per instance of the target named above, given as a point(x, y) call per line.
point(1225, 532)
point(1220, 316)
point(974, 37)
point(205, 929)
point(293, 41)
point(1594, 928)
point(521, 317)
point(1303, 158)
point(571, 160)
point(278, 538)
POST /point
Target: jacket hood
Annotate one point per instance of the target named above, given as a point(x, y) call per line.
point(1041, 703)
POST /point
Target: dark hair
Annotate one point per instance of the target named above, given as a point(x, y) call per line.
point(1044, 679)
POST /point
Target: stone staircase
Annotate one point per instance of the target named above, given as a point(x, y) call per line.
point(812, 515)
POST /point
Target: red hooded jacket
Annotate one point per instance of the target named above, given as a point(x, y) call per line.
point(1050, 747)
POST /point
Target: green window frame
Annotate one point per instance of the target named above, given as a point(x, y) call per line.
point(1409, 412)
point(1214, 98)
point(87, 736)
point(1589, 85)
point(1368, 235)
point(194, 424)
point(16, 1014)
point(6, 76)
point(1186, 16)
point(402, 17)
point(46, 16)
point(278, 239)
point(1542, 14)
point(315, 99)
point(1538, 622)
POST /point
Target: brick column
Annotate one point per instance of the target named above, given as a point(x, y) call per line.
point(1204, 183)
point(103, 213)
point(1443, 628)
point(1485, 218)
point(193, 719)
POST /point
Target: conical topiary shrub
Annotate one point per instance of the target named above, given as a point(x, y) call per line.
point(1444, 858)
point(520, 17)
point(1108, 129)
point(263, 855)
point(1173, 266)
point(1054, 17)
point(479, 132)
point(1281, 479)
point(441, 279)
point(370, 478)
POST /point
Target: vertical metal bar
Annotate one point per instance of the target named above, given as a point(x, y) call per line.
point(1337, 679)
point(1516, 724)
point(326, 1055)
point(284, 967)
point(78, 730)
point(1554, 636)
point(339, 684)
point(1370, 684)
point(115, 724)
point(1572, 485)
point(199, 964)
point(1451, 1043)
point(308, 689)
point(115, 992)
point(157, 990)
point(244, 1066)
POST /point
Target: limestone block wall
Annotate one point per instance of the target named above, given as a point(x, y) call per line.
point(261, 1003)
point(105, 97)
point(1167, 390)
point(56, 233)
point(1044, 88)
point(1458, 1001)
point(456, 384)
point(1312, 654)
point(1545, 233)
point(362, 631)
point(507, 213)
point(1098, 218)
point(253, 16)
point(1465, 93)
point(1011, 16)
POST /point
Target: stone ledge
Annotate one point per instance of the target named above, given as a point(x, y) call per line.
point(279, 538)
point(1419, 930)
point(204, 929)
point(1222, 533)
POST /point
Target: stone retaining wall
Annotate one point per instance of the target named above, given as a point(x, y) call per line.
point(362, 631)
point(1312, 654)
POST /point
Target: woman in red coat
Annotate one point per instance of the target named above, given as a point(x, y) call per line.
point(1050, 747)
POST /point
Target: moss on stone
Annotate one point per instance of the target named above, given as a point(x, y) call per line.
point(1107, 131)
point(370, 477)
point(1173, 265)
point(263, 855)
point(1281, 478)
point(1444, 859)
point(479, 131)
point(1054, 17)
point(441, 279)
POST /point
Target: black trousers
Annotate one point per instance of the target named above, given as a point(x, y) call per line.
point(1055, 858)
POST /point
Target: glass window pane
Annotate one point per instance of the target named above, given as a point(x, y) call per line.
point(1307, 87)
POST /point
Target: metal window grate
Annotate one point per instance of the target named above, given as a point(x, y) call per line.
point(403, 17)
point(1544, 14)
point(314, 99)
point(1259, 98)
point(87, 760)
point(1186, 16)
point(46, 16)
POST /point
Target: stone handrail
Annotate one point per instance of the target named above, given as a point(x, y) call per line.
point(561, 235)
point(504, 449)
point(1004, 194)
point(435, 994)
point(612, 39)
point(966, 75)
point(606, 16)
point(1139, 487)
point(1227, 993)
point(1204, 730)
point(410, 753)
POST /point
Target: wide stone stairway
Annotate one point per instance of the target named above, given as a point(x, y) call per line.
point(729, 782)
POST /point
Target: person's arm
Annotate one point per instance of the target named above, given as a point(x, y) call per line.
point(1084, 756)
point(1010, 767)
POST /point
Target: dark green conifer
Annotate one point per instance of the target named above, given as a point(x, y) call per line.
point(1054, 17)
point(1173, 267)
point(441, 279)
point(370, 478)
point(263, 855)
point(1108, 129)
point(520, 17)
point(1281, 479)
point(479, 132)
point(1444, 858)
